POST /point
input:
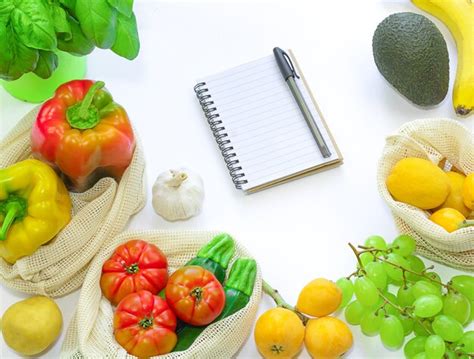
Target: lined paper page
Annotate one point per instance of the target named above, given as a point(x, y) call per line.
point(264, 123)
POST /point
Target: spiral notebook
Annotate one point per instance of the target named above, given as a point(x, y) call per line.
point(259, 127)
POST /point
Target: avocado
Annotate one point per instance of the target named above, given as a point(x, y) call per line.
point(411, 54)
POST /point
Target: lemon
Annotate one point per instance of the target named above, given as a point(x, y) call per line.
point(468, 191)
point(455, 197)
point(448, 218)
point(319, 298)
point(31, 325)
point(279, 333)
point(418, 182)
point(327, 338)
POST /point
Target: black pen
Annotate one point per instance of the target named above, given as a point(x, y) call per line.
point(289, 74)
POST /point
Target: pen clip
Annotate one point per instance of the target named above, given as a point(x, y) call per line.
point(290, 63)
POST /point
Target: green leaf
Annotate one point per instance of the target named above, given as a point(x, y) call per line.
point(98, 21)
point(79, 44)
point(125, 7)
point(33, 24)
point(6, 7)
point(61, 25)
point(47, 63)
point(127, 43)
point(68, 4)
point(15, 58)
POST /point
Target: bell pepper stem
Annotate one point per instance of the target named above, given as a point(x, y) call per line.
point(83, 115)
point(14, 210)
point(86, 102)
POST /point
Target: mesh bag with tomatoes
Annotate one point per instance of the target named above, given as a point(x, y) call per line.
point(205, 310)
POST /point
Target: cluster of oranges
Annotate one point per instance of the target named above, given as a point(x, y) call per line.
point(280, 332)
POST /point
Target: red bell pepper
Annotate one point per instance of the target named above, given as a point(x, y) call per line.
point(84, 133)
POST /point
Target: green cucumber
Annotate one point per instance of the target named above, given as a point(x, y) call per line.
point(215, 255)
point(238, 290)
point(239, 286)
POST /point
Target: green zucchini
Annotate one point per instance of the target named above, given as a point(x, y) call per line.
point(238, 290)
point(239, 286)
point(215, 256)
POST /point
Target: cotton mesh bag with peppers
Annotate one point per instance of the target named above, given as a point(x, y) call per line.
point(34, 207)
point(84, 133)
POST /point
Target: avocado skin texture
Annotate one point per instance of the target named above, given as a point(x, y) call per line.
point(410, 52)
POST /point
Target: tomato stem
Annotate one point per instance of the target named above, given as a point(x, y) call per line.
point(133, 269)
point(280, 302)
point(197, 293)
point(146, 322)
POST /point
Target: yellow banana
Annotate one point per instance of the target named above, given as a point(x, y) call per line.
point(458, 16)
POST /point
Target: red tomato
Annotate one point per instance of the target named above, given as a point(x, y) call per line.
point(195, 295)
point(144, 325)
point(135, 265)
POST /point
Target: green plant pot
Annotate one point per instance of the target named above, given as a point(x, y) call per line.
point(32, 88)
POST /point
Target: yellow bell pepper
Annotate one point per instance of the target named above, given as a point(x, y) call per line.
point(34, 207)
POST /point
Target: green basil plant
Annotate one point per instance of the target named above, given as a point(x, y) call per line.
point(31, 31)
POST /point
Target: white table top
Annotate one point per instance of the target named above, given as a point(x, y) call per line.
point(297, 231)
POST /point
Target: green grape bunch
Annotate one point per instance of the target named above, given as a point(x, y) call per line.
point(432, 314)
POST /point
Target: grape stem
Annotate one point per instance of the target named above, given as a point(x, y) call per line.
point(422, 274)
point(353, 274)
point(404, 275)
point(366, 249)
point(280, 302)
point(357, 254)
point(404, 311)
point(457, 349)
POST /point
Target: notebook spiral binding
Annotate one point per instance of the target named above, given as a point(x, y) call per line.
point(217, 128)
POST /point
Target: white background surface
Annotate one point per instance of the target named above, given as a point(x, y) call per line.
point(298, 231)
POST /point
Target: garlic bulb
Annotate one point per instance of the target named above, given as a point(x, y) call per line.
point(178, 194)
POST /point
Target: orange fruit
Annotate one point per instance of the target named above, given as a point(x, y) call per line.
point(327, 338)
point(319, 298)
point(279, 333)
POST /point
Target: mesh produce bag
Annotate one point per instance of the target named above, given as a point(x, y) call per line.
point(90, 334)
point(437, 140)
point(59, 267)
